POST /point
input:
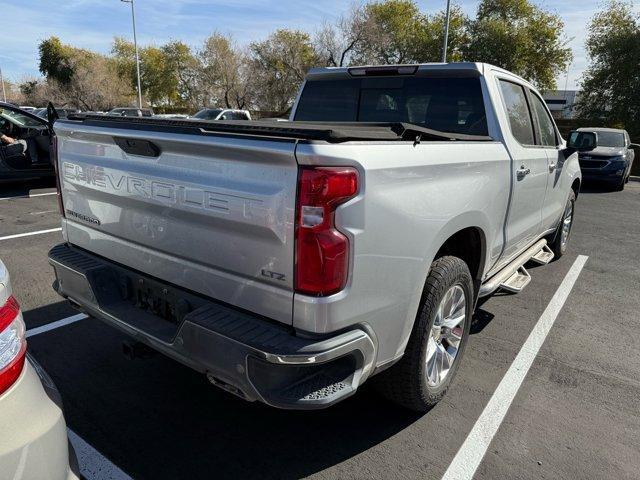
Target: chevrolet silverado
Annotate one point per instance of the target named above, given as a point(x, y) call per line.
point(289, 262)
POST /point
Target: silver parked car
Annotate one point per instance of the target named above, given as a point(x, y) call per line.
point(33, 433)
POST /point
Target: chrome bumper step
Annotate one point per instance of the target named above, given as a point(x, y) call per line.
point(544, 256)
point(516, 282)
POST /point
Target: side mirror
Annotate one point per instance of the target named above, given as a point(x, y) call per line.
point(582, 141)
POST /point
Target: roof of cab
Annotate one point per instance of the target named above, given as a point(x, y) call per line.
point(468, 68)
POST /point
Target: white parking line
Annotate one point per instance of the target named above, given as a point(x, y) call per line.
point(29, 196)
point(471, 453)
point(42, 212)
point(27, 234)
point(93, 465)
point(57, 324)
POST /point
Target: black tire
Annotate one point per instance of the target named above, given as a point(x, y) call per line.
point(555, 243)
point(405, 383)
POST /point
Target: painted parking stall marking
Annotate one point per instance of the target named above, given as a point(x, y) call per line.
point(57, 324)
point(28, 234)
point(472, 451)
point(29, 196)
point(93, 465)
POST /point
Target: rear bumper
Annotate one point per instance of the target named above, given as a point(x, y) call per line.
point(240, 352)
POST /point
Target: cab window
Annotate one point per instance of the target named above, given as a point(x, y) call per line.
point(547, 130)
point(515, 102)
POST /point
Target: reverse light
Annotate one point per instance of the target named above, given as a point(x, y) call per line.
point(322, 251)
point(13, 345)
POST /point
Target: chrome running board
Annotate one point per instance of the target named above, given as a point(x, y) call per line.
point(514, 277)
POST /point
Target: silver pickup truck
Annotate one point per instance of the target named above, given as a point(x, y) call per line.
point(292, 261)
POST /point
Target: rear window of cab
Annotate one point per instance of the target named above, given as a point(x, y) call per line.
point(446, 104)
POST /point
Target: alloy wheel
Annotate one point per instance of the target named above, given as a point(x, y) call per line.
point(445, 337)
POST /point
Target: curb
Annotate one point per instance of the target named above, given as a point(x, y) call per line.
point(634, 178)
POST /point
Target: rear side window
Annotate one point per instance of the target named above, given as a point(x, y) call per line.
point(518, 112)
point(547, 130)
point(447, 104)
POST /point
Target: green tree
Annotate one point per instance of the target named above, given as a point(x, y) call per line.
point(223, 73)
point(520, 37)
point(396, 32)
point(57, 60)
point(158, 86)
point(430, 47)
point(124, 55)
point(612, 82)
point(278, 67)
point(182, 68)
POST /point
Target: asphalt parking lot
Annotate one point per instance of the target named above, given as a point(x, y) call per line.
point(575, 415)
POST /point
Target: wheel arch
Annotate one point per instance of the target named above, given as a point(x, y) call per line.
point(575, 186)
point(470, 245)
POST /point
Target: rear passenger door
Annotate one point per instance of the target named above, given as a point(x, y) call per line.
point(529, 169)
point(548, 139)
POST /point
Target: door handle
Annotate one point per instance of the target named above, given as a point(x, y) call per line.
point(552, 167)
point(523, 171)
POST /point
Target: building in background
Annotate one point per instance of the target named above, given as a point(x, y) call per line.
point(562, 103)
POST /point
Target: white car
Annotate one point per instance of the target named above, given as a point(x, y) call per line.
point(33, 438)
point(222, 114)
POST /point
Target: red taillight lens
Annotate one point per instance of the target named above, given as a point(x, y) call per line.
point(53, 153)
point(13, 345)
point(322, 251)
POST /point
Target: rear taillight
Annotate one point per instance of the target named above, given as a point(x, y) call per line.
point(322, 251)
point(13, 345)
point(53, 153)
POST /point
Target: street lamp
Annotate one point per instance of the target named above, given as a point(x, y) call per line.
point(135, 43)
point(4, 94)
point(446, 32)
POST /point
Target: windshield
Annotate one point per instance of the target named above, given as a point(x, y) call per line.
point(208, 114)
point(447, 104)
point(19, 118)
point(610, 139)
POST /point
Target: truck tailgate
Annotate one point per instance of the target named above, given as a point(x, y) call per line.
point(211, 213)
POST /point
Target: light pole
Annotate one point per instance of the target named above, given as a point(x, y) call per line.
point(4, 94)
point(135, 43)
point(446, 32)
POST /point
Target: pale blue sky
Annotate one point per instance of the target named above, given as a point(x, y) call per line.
point(92, 24)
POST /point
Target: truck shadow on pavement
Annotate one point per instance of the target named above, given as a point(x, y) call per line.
point(156, 419)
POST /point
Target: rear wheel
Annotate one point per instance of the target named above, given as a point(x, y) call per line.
point(436, 345)
point(561, 237)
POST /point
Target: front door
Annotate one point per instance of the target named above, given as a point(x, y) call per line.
point(31, 134)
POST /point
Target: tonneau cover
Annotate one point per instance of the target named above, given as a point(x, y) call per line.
point(332, 132)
